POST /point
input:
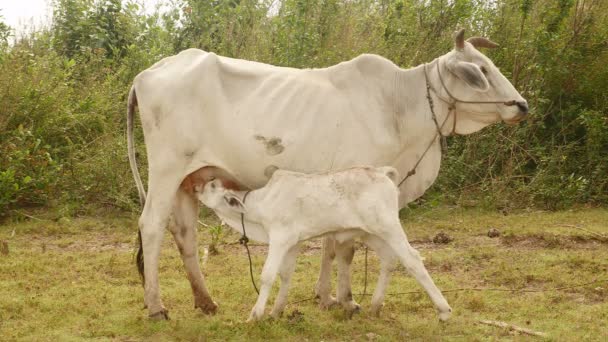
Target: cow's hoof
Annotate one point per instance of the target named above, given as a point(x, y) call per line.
point(208, 308)
point(162, 315)
point(327, 303)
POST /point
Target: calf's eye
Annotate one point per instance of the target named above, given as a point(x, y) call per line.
point(483, 69)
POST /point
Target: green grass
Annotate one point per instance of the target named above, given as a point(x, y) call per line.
point(75, 280)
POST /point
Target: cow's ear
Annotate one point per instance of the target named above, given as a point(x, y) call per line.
point(471, 74)
point(234, 202)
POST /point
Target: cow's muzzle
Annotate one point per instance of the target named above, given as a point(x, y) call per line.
point(523, 107)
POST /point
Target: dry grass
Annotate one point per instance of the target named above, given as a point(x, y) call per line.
point(75, 280)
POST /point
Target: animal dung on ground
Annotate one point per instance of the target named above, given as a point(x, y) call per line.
point(493, 232)
point(3, 247)
point(442, 238)
point(295, 316)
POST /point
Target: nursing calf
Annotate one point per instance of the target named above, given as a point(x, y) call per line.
point(293, 207)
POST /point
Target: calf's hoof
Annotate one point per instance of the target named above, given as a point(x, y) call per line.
point(375, 310)
point(276, 314)
point(208, 308)
point(445, 315)
point(351, 308)
point(162, 315)
point(254, 317)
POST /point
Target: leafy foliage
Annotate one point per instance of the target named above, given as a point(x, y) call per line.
point(63, 89)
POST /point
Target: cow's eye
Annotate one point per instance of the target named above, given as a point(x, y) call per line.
point(484, 70)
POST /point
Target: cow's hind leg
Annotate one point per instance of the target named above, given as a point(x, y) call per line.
point(185, 217)
point(285, 272)
point(345, 252)
point(323, 287)
point(152, 223)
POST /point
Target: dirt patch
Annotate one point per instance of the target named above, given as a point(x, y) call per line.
point(549, 241)
point(90, 242)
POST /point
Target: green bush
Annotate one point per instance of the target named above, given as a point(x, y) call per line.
point(63, 89)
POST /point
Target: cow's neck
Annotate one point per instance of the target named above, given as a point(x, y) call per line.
point(417, 130)
point(412, 105)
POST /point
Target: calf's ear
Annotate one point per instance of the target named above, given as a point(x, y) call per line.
point(234, 202)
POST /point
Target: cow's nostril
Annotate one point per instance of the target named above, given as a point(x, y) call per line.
point(523, 107)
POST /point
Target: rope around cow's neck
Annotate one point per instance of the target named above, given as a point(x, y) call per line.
point(438, 132)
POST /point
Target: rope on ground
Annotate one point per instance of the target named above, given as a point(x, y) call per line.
point(502, 290)
point(596, 234)
point(365, 277)
point(474, 289)
point(512, 327)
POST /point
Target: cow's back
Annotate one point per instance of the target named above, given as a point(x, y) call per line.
point(248, 117)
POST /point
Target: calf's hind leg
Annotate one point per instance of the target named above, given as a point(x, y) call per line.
point(410, 258)
point(387, 264)
point(183, 228)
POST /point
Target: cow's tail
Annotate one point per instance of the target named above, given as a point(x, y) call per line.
point(132, 103)
point(391, 173)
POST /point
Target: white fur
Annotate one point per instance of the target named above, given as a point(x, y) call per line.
point(294, 207)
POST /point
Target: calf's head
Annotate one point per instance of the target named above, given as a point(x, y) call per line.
point(471, 76)
point(215, 196)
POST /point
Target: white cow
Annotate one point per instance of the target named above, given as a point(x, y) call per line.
point(294, 207)
point(239, 120)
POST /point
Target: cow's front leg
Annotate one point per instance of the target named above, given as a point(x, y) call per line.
point(276, 253)
point(185, 220)
point(345, 252)
point(323, 287)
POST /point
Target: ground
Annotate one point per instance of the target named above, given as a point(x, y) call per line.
point(74, 279)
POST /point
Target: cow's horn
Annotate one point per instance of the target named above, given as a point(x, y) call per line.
point(480, 42)
point(459, 39)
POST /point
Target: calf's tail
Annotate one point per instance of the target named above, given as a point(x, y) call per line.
point(131, 104)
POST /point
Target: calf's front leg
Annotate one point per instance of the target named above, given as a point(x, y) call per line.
point(285, 272)
point(278, 248)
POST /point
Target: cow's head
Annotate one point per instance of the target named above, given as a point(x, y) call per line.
point(215, 196)
point(471, 76)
